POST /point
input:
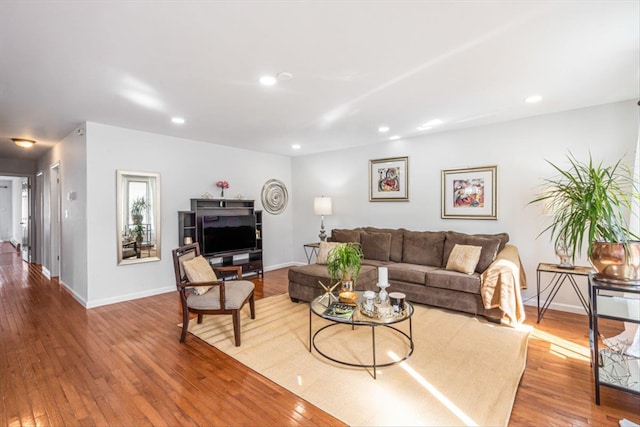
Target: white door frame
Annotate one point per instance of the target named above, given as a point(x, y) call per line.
point(55, 226)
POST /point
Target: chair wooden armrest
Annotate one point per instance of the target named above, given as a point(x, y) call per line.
point(192, 284)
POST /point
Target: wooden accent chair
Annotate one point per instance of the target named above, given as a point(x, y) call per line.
point(210, 296)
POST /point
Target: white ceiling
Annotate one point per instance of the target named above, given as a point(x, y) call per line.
point(357, 65)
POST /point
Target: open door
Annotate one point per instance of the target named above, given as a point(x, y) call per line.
point(25, 220)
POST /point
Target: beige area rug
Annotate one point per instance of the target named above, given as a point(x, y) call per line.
point(464, 370)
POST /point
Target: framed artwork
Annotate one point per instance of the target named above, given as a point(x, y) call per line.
point(389, 180)
point(470, 193)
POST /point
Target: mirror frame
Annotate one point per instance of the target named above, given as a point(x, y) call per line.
point(122, 177)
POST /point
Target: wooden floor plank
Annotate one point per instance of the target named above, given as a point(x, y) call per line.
point(122, 364)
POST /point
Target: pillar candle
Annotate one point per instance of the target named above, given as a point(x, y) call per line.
point(383, 275)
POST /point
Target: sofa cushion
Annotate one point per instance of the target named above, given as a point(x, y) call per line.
point(376, 246)
point(464, 258)
point(309, 275)
point(345, 236)
point(504, 238)
point(487, 255)
point(423, 247)
point(397, 239)
point(323, 251)
point(408, 273)
point(453, 280)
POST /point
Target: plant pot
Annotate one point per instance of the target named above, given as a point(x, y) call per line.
point(610, 260)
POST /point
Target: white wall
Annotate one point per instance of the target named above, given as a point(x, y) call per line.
point(519, 149)
point(70, 155)
point(188, 169)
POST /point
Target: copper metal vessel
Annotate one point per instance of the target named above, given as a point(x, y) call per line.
point(610, 260)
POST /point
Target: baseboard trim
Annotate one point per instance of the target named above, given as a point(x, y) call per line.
point(569, 308)
point(46, 273)
point(74, 294)
point(128, 297)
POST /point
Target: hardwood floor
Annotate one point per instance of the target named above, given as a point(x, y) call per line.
point(122, 364)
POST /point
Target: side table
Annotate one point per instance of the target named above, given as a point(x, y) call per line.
point(311, 249)
point(560, 275)
point(611, 366)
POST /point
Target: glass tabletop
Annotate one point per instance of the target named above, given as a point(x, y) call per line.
point(360, 315)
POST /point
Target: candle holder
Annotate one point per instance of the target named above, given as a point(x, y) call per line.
point(383, 296)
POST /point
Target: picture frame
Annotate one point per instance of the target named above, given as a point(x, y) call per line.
point(470, 193)
point(389, 180)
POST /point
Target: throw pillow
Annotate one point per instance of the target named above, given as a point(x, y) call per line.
point(199, 270)
point(464, 258)
point(489, 247)
point(323, 251)
point(376, 246)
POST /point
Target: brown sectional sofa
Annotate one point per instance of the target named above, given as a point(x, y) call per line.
point(416, 262)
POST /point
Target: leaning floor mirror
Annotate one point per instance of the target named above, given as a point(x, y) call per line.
point(138, 217)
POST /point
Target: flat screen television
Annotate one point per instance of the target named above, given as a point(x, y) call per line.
point(228, 233)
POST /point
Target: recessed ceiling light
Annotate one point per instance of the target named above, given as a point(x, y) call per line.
point(284, 76)
point(177, 120)
point(24, 143)
point(383, 129)
point(533, 99)
point(296, 146)
point(432, 123)
point(267, 80)
point(423, 127)
point(394, 137)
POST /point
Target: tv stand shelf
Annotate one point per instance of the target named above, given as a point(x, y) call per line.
point(190, 226)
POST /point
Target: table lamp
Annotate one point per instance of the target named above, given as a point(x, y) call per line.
point(322, 207)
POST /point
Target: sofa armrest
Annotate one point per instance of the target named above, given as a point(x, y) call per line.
point(508, 256)
point(500, 285)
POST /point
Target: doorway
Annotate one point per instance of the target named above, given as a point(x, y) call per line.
point(55, 216)
point(25, 219)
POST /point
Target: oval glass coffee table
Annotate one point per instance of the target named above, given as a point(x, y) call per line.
point(318, 306)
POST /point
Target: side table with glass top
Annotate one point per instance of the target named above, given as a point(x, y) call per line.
point(559, 276)
point(320, 304)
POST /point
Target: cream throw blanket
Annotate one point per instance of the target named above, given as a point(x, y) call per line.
point(500, 286)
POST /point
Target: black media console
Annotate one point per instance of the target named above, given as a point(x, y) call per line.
point(225, 231)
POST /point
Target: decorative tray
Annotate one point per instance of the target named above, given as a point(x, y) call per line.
point(375, 314)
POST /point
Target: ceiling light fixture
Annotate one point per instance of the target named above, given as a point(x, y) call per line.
point(267, 80)
point(394, 137)
point(423, 127)
point(432, 123)
point(177, 120)
point(383, 129)
point(24, 143)
point(533, 99)
point(284, 76)
point(296, 146)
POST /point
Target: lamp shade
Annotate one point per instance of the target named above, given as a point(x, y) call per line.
point(322, 206)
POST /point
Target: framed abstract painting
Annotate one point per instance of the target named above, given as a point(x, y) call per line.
point(470, 193)
point(389, 180)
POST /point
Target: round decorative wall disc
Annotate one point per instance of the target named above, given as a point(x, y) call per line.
point(274, 196)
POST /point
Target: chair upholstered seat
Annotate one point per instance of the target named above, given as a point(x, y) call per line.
point(236, 293)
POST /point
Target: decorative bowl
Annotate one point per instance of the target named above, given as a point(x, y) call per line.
point(348, 297)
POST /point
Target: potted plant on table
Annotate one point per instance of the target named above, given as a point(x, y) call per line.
point(138, 207)
point(589, 203)
point(344, 263)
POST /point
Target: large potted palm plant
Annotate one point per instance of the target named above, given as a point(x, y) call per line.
point(590, 204)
